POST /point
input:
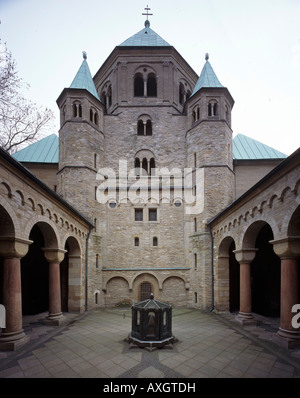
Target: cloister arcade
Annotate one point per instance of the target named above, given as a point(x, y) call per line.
point(42, 245)
point(257, 251)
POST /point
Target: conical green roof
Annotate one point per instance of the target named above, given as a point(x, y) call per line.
point(207, 78)
point(145, 38)
point(84, 80)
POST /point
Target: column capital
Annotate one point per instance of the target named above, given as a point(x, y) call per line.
point(54, 255)
point(287, 247)
point(245, 256)
point(13, 247)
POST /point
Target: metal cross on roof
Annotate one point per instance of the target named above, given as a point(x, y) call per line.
point(147, 13)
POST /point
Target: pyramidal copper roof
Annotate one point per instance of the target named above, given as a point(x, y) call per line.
point(43, 151)
point(207, 78)
point(246, 148)
point(83, 78)
point(145, 38)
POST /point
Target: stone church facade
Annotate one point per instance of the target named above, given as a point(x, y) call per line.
point(149, 234)
point(147, 196)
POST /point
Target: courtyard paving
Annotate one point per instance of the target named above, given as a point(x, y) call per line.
point(92, 345)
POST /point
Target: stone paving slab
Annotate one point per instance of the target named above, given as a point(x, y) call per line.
point(92, 345)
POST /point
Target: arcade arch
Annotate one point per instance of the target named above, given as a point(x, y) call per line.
point(35, 272)
point(294, 223)
point(117, 289)
point(174, 291)
point(71, 277)
point(265, 275)
point(6, 230)
point(228, 276)
point(6, 222)
point(254, 268)
point(144, 279)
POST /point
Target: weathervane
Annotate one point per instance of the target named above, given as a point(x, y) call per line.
point(147, 13)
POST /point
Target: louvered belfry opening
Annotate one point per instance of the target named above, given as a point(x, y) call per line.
point(151, 324)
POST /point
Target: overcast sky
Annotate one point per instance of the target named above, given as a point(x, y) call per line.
point(254, 48)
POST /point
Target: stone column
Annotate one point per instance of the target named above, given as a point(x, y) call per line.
point(245, 257)
point(12, 250)
point(288, 250)
point(54, 257)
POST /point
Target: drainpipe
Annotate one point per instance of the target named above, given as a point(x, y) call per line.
point(86, 268)
point(212, 271)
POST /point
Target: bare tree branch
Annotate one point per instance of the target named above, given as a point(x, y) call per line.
point(21, 121)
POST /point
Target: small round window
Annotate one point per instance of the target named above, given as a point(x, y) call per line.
point(177, 203)
point(112, 205)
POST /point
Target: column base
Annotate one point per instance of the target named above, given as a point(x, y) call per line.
point(12, 341)
point(246, 318)
point(287, 338)
point(55, 320)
